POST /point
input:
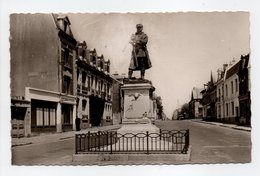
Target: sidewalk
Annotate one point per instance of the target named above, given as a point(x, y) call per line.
point(232, 126)
point(48, 138)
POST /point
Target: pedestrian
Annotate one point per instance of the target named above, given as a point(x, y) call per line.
point(77, 121)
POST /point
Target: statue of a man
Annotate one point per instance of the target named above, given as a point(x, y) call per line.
point(140, 58)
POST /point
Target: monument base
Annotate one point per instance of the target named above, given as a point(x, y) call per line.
point(135, 121)
point(138, 128)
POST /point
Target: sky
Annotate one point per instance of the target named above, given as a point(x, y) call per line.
point(184, 48)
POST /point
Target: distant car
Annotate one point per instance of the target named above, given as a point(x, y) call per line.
point(180, 117)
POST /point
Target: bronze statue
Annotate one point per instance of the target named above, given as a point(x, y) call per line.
point(140, 58)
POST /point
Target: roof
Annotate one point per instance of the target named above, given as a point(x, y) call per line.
point(56, 17)
point(233, 70)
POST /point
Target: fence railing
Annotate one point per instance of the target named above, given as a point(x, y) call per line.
point(149, 143)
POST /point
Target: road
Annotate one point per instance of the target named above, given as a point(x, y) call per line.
point(210, 144)
point(214, 144)
point(50, 153)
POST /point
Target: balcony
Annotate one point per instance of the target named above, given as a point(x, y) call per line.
point(68, 67)
point(103, 95)
point(85, 89)
point(98, 93)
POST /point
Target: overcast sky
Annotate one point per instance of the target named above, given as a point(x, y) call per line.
point(184, 47)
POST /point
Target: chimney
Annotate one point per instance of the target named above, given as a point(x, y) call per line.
point(225, 67)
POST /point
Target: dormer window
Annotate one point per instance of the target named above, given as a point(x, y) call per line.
point(93, 56)
point(81, 49)
point(64, 23)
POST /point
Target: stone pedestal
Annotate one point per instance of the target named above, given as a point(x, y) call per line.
point(138, 106)
point(138, 128)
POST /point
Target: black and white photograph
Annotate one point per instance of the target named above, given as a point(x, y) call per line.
point(133, 88)
point(113, 89)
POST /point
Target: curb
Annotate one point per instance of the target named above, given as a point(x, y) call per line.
point(225, 126)
point(62, 136)
point(130, 158)
point(237, 128)
point(21, 144)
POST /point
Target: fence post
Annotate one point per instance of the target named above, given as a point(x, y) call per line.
point(160, 134)
point(76, 146)
point(111, 142)
point(147, 138)
point(188, 137)
point(88, 140)
point(115, 139)
point(99, 140)
point(107, 141)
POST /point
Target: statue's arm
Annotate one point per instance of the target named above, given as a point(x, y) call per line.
point(144, 39)
point(132, 40)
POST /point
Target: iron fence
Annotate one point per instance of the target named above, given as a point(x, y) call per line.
point(148, 143)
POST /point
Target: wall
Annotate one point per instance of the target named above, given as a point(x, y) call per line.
point(34, 52)
point(231, 97)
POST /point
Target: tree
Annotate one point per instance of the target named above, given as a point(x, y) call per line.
point(159, 107)
point(185, 109)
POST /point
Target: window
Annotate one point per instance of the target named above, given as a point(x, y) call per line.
point(66, 56)
point(232, 87)
point(84, 78)
point(92, 82)
point(108, 69)
point(52, 117)
point(45, 117)
point(226, 109)
point(219, 111)
point(105, 87)
point(101, 65)
point(102, 83)
point(67, 85)
point(236, 82)
point(108, 90)
point(84, 104)
point(77, 74)
point(96, 83)
point(226, 90)
point(39, 117)
point(89, 82)
point(99, 86)
point(93, 59)
point(219, 94)
point(232, 108)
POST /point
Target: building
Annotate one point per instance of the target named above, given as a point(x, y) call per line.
point(94, 88)
point(209, 100)
point(220, 104)
point(43, 51)
point(244, 91)
point(55, 79)
point(231, 93)
point(195, 105)
point(118, 99)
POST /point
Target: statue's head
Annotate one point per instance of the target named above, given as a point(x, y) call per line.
point(139, 27)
